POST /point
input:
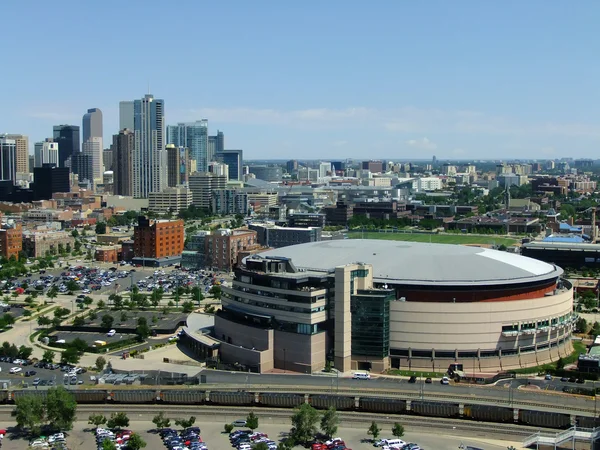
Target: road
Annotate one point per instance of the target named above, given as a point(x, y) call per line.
point(387, 384)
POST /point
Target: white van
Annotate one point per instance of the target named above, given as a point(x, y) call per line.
point(361, 376)
point(394, 442)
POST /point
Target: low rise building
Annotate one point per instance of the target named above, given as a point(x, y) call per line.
point(37, 244)
point(171, 199)
point(11, 239)
point(221, 249)
point(158, 242)
point(229, 201)
point(108, 253)
point(270, 235)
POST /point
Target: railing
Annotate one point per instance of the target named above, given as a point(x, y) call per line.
point(580, 434)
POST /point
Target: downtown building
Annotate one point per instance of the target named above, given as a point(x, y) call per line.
point(46, 153)
point(157, 242)
point(178, 165)
point(67, 137)
point(234, 159)
point(202, 185)
point(122, 154)
point(170, 200)
point(21, 151)
point(194, 136)
point(93, 145)
point(8, 160)
point(149, 156)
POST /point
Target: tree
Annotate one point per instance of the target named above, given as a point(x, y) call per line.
point(101, 228)
point(135, 442)
point(25, 352)
point(44, 321)
point(185, 423)
point(187, 307)
point(398, 430)
point(29, 412)
point(107, 321)
point(48, 356)
point(75, 233)
point(52, 292)
point(70, 356)
point(228, 427)
point(117, 301)
point(329, 422)
point(304, 423)
point(260, 446)
point(108, 445)
point(252, 421)
point(595, 331)
point(156, 297)
point(143, 330)
point(100, 363)
point(161, 421)
point(560, 364)
point(8, 319)
point(78, 321)
point(118, 420)
point(72, 286)
point(61, 408)
point(581, 325)
point(374, 430)
point(88, 300)
point(101, 304)
point(123, 316)
point(97, 420)
point(215, 291)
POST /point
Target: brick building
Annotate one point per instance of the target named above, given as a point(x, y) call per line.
point(157, 242)
point(37, 243)
point(221, 249)
point(108, 253)
point(11, 239)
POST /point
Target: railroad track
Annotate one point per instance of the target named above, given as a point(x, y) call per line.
point(280, 415)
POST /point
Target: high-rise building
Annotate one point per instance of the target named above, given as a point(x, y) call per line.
point(234, 160)
point(67, 137)
point(267, 173)
point(8, 159)
point(126, 115)
point(149, 156)
point(291, 166)
point(178, 163)
point(324, 169)
point(219, 169)
point(31, 164)
point(46, 153)
point(194, 136)
point(92, 142)
point(122, 148)
point(202, 185)
point(216, 145)
point(50, 179)
point(22, 151)
point(107, 158)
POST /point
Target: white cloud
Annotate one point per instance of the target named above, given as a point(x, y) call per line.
point(399, 120)
point(422, 144)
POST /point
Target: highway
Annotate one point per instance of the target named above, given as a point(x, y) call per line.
point(507, 392)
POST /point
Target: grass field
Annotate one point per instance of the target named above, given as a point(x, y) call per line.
point(434, 238)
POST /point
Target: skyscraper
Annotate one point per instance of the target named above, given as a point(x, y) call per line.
point(67, 137)
point(194, 136)
point(122, 149)
point(50, 179)
point(46, 153)
point(22, 151)
point(216, 145)
point(8, 159)
point(149, 157)
point(178, 162)
point(92, 142)
point(234, 160)
point(126, 115)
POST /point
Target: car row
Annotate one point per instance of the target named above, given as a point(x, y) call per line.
point(56, 441)
point(331, 444)
point(118, 437)
point(396, 444)
point(428, 380)
point(187, 439)
point(246, 439)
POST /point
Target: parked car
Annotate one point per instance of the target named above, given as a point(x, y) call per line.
point(239, 423)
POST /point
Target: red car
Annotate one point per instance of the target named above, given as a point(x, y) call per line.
point(318, 446)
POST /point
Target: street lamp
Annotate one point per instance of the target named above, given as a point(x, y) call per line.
point(284, 360)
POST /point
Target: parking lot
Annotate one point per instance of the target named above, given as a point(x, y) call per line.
point(47, 377)
point(90, 338)
point(154, 319)
point(81, 438)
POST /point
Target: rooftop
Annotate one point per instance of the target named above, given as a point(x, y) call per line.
point(417, 263)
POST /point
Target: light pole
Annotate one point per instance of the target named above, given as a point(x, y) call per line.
point(284, 360)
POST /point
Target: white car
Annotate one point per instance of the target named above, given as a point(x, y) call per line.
point(56, 437)
point(38, 443)
point(16, 369)
point(111, 333)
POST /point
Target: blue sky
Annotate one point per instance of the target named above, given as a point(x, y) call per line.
point(318, 79)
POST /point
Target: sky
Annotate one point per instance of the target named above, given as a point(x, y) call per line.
point(315, 79)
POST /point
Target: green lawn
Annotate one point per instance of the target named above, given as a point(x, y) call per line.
point(434, 238)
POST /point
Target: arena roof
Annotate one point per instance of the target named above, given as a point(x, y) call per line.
point(397, 262)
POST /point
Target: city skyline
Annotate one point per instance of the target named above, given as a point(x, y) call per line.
point(395, 81)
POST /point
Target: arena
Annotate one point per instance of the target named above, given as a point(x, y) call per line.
point(374, 305)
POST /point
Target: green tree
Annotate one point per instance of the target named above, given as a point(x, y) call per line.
point(260, 446)
point(304, 423)
point(374, 430)
point(123, 316)
point(581, 325)
point(25, 352)
point(118, 420)
point(101, 228)
point(560, 364)
point(88, 300)
point(75, 233)
point(100, 363)
point(78, 321)
point(61, 408)
point(161, 421)
point(595, 331)
point(116, 300)
point(252, 421)
point(30, 412)
point(52, 292)
point(228, 427)
point(101, 304)
point(156, 296)
point(215, 291)
point(44, 321)
point(142, 329)
point(187, 307)
point(185, 423)
point(108, 445)
point(107, 321)
point(135, 442)
point(48, 356)
point(70, 356)
point(8, 319)
point(398, 430)
point(329, 422)
point(97, 419)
